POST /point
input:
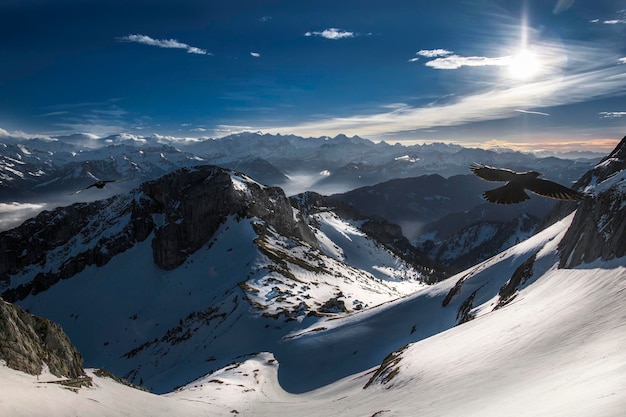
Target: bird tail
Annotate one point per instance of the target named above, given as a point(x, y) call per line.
point(506, 195)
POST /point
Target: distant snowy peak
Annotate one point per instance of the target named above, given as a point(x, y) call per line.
point(272, 159)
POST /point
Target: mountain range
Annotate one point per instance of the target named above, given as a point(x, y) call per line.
point(226, 297)
point(30, 169)
point(426, 189)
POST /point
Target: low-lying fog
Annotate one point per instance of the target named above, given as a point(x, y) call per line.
point(14, 213)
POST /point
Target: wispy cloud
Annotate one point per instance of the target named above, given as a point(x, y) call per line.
point(448, 60)
point(499, 102)
point(332, 33)
point(612, 114)
point(619, 20)
point(622, 60)
point(456, 62)
point(255, 54)
point(164, 43)
point(265, 19)
point(100, 118)
point(539, 113)
point(53, 113)
point(562, 5)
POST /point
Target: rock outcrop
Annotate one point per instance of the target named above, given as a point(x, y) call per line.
point(28, 342)
point(195, 202)
point(598, 230)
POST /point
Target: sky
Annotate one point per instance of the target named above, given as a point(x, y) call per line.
point(532, 75)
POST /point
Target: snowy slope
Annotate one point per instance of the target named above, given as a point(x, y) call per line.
point(557, 349)
point(238, 293)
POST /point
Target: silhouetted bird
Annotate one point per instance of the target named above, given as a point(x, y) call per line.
point(513, 191)
point(97, 184)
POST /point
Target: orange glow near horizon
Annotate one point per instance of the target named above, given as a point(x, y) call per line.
point(550, 145)
point(601, 145)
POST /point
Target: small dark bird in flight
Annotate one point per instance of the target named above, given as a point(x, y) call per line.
point(513, 191)
point(97, 184)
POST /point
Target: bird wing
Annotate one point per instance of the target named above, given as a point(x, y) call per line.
point(83, 189)
point(492, 174)
point(508, 194)
point(552, 189)
point(95, 184)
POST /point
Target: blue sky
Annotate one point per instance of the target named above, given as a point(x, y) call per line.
point(542, 74)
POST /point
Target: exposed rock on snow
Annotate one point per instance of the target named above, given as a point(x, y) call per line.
point(195, 202)
point(28, 343)
point(598, 230)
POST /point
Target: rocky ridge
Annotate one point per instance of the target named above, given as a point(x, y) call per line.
point(598, 230)
point(28, 343)
point(181, 209)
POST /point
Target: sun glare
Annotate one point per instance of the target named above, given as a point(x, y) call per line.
point(525, 65)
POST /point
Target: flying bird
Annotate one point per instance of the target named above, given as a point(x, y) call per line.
point(98, 184)
point(513, 191)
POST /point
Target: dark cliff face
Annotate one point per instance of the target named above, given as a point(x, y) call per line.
point(60, 243)
point(27, 342)
point(197, 201)
point(598, 230)
point(181, 210)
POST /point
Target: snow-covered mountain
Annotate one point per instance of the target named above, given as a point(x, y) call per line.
point(37, 168)
point(42, 174)
point(188, 264)
point(535, 340)
point(448, 218)
point(537, 330)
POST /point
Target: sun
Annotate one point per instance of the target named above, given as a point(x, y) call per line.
point(524, 65)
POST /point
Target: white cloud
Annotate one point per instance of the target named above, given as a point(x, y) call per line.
point(456, 61)
point(164, 43)
point(622, 60)
point(612, 114)
point(433, 53)
point(255, 54)
point(445, 59)
point(332, 33)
